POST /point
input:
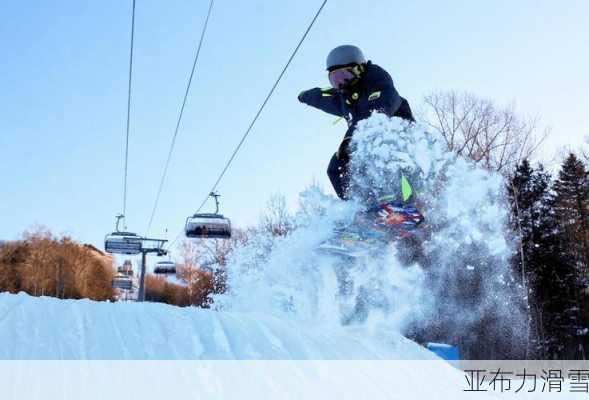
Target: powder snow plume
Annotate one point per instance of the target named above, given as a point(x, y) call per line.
point(452, 284)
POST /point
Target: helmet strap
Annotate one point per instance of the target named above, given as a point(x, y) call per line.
point(358, 71)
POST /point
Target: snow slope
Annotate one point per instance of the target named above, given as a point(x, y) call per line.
point(208, 355)
point(50, 329)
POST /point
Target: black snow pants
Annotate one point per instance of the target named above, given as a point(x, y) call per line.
point(339, 175)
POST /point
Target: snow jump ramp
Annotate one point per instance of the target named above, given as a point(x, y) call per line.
point(82, 349)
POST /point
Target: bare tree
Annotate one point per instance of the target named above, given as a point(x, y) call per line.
point(203, 252)
point(204, 262)
point(494, 137)
point(276, 219)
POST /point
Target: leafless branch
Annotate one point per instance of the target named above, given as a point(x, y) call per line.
point(497, 138)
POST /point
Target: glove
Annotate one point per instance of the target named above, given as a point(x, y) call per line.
point(301, 96)
point(308, 95)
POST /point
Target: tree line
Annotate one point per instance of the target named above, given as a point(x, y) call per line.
point(44, 265)
point(549, 216)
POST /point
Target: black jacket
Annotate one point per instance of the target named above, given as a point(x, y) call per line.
point(374, 91)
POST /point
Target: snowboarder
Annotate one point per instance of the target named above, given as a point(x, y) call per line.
point(359, 87)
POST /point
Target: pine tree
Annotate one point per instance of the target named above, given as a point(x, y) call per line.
point(571, 202)
point(534, 223)
point(529, 191)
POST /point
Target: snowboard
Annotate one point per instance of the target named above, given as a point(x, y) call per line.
point(389, 221)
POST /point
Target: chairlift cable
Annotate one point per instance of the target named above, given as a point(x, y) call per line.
point(128, 112)
point(270, 93)
point(174, 136)
point(125, 242)
point(251, 125)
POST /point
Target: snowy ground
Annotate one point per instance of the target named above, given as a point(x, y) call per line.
point(50, 329)
point(225, 356)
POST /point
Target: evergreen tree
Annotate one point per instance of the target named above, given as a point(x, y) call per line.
point(529, 192)
point(571, 202)
point(538, 252)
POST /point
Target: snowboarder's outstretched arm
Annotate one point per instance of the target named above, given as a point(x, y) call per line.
point(328, 100)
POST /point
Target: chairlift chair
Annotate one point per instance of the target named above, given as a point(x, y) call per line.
point(123, 242)
point(165, 268)
point(122, 282)
point(208, 225)
point(124, 270)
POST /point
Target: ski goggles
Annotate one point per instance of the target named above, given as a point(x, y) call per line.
point(341, 77)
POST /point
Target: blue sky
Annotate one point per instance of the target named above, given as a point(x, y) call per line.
point(63, 77)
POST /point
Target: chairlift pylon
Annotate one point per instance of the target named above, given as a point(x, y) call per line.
point(119, 242)
point(208, 225)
